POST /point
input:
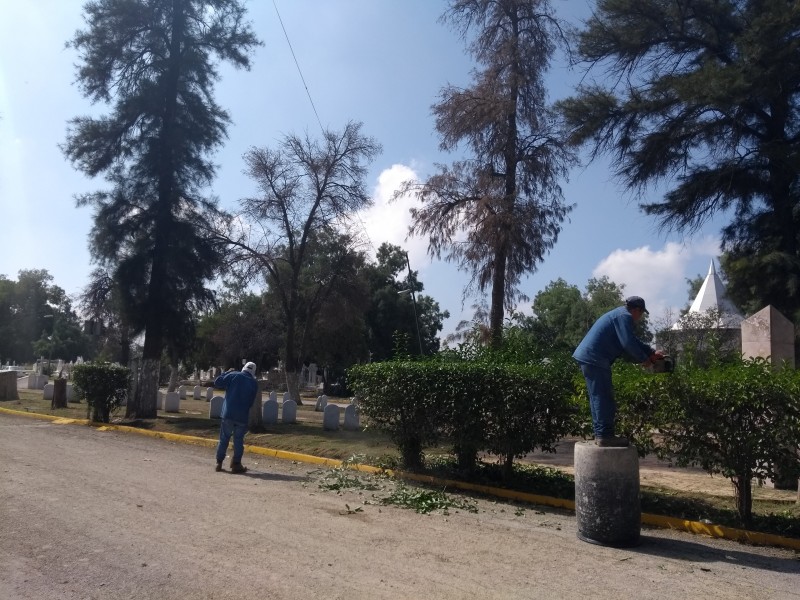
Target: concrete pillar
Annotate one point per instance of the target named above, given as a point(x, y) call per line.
point(607, 502)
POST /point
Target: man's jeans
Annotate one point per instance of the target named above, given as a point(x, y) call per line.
point(601, 399)
point(227, 429)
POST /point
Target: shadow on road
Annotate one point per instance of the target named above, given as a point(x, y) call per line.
point(694, 552)
point(271, 476)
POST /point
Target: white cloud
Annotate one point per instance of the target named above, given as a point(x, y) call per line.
point(388, 221)
point(659, 276)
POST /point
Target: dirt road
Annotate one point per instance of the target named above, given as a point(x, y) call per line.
point(92, 514)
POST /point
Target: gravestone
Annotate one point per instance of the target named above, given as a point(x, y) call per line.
point(351, 418)
point(607, 503)
point(36, 381)
point(70, 393)
point(322, 402)
point(273, 395)
point(289, 413)
point(8, 386)
point(198, 392)
point(330, 418)
point(182, 392)
point(172, 402)
point(286, 396)
point(215, 407)
point(768, 334)
point(209, 394)
point(47, 392)
point(269, 412)
point(160, 400)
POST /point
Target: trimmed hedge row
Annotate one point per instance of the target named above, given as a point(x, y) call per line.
point(503, 409)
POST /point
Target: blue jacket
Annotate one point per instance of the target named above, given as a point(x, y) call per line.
point(240, 393)
point(610, 337)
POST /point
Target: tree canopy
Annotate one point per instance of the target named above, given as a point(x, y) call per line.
point(499, 211)
point(309, 191)
point(155, 63)
point(702, 97)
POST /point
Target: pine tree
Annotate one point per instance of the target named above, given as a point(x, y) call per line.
point(505, 199)
point(155, 63)
point(703, 97)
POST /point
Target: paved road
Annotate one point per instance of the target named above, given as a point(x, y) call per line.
point(102, 514)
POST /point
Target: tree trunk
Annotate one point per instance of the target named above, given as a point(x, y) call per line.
point(173, 378)
point(8, 386)
point(293, 386)
point(742, 483)
point(130, 404)
point(147, 390)
point(59, 393)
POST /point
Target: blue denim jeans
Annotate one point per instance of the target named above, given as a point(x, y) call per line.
point(601, 399)
point(227, 429)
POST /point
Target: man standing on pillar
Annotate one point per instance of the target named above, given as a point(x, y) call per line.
point(610, 337)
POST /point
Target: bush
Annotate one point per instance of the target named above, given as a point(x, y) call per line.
point(104, 386)
point(479, 405)
point(738, 420)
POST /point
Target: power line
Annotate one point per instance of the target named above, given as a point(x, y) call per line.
point(298, 67)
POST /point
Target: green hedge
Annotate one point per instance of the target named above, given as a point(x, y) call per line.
point(104, 385)
point(479, 406)
point(741, 421)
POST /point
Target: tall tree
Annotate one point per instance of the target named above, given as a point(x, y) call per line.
point(309, 193)
point(703, 97)
point(155, 62)
point(505, 201)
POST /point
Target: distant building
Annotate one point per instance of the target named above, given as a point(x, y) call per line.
point(713, 304)
point(712, 325)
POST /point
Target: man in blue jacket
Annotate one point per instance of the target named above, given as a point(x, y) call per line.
point(610, 337)
point(241, 389)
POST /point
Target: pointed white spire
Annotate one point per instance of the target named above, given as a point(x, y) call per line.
point(711, 296)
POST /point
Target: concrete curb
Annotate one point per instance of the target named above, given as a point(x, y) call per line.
point(696, 527)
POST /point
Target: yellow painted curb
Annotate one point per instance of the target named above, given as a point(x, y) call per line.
point(696, 527)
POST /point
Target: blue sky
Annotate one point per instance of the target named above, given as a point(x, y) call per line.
point(381, 62)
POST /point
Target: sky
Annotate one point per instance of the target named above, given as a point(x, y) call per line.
point(379, 62)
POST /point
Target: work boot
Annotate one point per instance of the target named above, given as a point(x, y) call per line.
point(219, 466)
point(612, 441)
point(237, 467)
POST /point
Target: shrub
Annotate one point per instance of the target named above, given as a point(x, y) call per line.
point(104, 385)
point(479, 405)
point(738, 420)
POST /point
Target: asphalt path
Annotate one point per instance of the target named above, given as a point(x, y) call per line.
point(86, 513)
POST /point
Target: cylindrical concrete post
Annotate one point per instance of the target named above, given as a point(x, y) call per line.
point(607, 495)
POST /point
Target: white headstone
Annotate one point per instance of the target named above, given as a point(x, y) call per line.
point(286, 396)
point(198, 392)
point(48, 391)
point(269, 412)
point(160, 401)
point(351, 418)
point(70, 393)
point(322, 402)
point(330, 418)
point(289, 412)
point(37, 382)
point(215, 408)
point(182, 392)
point(172, 402)
point(273, 395)
point(209, 394)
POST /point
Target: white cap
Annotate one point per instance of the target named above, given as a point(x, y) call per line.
point(250, 368)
